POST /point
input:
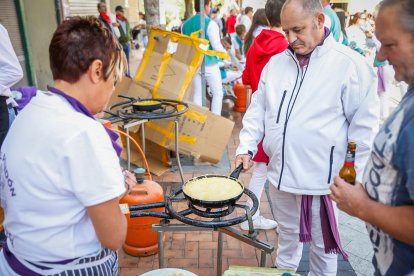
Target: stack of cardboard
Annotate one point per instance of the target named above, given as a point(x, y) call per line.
point(170, 62)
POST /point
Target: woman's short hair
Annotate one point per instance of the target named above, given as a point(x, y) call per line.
point(79, 41)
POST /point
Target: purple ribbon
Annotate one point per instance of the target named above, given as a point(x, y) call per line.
point(330, 233)
point(381, 79)
point(28, 92)
point(79, 107)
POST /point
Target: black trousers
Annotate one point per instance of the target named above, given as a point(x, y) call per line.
point(4, 119)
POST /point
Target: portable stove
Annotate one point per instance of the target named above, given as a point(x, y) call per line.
point(128, 113)
point(200, 222)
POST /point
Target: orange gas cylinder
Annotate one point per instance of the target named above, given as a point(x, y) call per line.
point(241, 93)
point(140, 240)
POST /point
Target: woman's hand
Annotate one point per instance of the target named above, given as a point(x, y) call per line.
point(130, 181)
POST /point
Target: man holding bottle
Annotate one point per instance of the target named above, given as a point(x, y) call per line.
point(385, 200)
point(312, 99)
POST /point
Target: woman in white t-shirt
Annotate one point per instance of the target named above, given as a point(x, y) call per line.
point(355, 33)
point(60, 175)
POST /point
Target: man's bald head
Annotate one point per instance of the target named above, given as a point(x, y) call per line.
point(303, 23)
point(307, 7)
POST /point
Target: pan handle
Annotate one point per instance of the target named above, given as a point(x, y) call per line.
point(235, 174)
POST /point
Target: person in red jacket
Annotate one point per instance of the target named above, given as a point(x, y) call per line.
point(267, 44)
point(231, 22)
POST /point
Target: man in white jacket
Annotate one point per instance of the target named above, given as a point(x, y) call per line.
point(312, 99)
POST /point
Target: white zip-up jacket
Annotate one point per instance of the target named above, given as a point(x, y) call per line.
point(308, 116)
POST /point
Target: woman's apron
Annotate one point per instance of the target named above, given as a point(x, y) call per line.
point(104, 263)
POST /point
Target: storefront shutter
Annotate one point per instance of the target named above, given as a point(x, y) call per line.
point(80, 7)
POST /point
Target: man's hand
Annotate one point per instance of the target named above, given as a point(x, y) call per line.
point(349, 198)
point(247, 161)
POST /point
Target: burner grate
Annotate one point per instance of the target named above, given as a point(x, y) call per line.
point(163, 108)
point(219, 216)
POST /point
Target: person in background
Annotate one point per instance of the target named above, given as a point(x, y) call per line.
point(385, 197)
point(106, 19)
point(215, 18)
point(246, 18)
point(62, 213)
point(237, 39)
point(221, 15)
point(342, 20)
point(356, 36)
point(231, 22)
point(267, 44)
point(125, 31)
point(307, 116)
point(385, 75)
point(212, 70)
point(334, 25)
point(143, 34)
point(228, 45)
point(229, 73)
point(10, 73)
point(259, 23)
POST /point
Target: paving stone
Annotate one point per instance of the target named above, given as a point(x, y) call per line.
point(360, 248)
point(365, 268)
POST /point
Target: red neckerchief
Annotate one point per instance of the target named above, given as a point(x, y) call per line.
point(106, 17)
point(121, 17)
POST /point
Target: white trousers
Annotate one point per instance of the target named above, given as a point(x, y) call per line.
point(213, 79)
point(257, 183)
point(286, 207)
point(384, 96)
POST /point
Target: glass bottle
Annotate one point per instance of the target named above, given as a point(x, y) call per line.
point(347, 171)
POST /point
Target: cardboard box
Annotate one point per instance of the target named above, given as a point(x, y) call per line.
point(169, 64)
point(202, 133)
point(158, 158)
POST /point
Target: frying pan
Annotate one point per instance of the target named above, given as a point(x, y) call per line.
point(216, 203)
point(146, 105)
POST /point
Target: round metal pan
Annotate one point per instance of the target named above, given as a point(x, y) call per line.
point(216, 203)
point(144, 105)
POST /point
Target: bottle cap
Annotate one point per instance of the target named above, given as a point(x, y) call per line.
point(139, 172)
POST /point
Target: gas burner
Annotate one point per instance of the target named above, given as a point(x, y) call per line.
point(150, 109)
point(200, 216)
point(211, 213)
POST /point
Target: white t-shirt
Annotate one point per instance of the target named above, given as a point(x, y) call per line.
point(245, 20)
point(355, 33)
point(54, 163)
point(11, 71)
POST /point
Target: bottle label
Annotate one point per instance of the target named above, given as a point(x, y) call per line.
point(350, 158)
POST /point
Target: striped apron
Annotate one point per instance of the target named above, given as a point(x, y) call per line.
point(103, 263)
